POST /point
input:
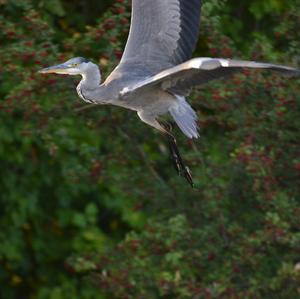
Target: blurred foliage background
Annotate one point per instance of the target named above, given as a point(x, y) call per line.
point(90, 204)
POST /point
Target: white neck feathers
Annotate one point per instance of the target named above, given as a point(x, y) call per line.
point(91, 78)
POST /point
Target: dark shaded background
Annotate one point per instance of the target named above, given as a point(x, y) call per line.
point(91, 206)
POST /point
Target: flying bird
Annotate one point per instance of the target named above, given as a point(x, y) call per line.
point(156, 72)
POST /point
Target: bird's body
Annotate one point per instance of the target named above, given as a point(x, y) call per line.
point(149, 103)
point(156, 71)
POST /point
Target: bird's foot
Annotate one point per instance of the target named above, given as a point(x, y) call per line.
point(180, 166)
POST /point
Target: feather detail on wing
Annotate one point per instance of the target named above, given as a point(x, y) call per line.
point(185, 117)
point(198, 71)
point(163, 33)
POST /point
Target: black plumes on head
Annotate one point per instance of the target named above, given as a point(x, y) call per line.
point(82, 59)
point(78, 60)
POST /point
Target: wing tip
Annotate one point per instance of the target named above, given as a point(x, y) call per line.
point(296, 73)
point(288, 71)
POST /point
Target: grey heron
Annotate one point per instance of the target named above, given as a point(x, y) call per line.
point(156, 71)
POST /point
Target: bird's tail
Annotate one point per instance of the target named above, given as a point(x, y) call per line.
point(185, 117)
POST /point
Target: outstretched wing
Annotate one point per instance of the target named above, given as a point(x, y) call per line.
point(163, 33)
point(180, 79)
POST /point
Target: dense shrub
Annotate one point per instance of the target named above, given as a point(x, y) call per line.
point(91, 192)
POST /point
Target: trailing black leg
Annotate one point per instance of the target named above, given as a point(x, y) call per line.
point(179, 164)
point(175, 158)
point(182, 169)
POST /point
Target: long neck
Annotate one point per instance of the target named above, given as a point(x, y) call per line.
point(91, 78)
point(89, 88)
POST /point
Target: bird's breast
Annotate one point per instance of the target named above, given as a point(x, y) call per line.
point(82, 95)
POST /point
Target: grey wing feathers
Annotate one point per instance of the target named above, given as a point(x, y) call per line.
point(185, 117)
point(180, 79)
point(189, 24)
point(252, 64)
point(162, 33)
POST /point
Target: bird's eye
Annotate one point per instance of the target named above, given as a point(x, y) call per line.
point(73, 65)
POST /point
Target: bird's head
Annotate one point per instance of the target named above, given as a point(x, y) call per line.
point(74, 66)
